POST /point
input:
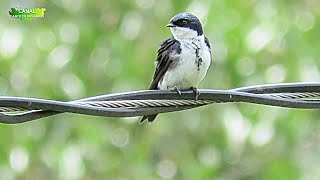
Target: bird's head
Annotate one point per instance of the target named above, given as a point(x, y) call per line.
point(185, 26)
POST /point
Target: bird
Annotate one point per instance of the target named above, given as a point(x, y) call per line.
point(182, 59)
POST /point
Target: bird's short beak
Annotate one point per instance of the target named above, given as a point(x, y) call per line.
point(171, 25)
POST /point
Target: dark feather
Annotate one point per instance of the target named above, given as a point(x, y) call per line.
point(206, 40)
point(164, 61)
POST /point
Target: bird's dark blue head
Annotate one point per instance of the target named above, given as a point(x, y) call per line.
point(186, 20)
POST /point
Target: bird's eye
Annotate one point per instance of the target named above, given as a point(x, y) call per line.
point(184, 22)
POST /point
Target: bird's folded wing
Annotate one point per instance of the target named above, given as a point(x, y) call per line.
point(165, 60)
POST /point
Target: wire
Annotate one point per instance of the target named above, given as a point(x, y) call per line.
point(15, 110)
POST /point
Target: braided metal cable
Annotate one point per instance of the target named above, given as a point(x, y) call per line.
point(139, 103)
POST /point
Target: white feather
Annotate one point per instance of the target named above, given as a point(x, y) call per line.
point(186, 73)
point(183, 33)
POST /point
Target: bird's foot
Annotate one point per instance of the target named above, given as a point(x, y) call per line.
point(196, 92)
point(176, 88)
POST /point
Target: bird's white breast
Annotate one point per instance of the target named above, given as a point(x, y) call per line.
point(186, 73)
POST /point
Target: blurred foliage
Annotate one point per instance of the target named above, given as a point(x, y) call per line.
point(85, 48)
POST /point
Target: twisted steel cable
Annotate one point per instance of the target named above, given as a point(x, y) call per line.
point(139, 103)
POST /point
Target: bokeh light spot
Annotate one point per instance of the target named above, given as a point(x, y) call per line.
point(120, 137)
point(304, 20)
point(19, 79)
point(72, 6)
point(72, 86)
point(131, 24)
point(209, 156)
point(262, 133)
point(45, 40)
point(59, 56)
point(166, 169)
point(200, 9)
point(10, 42)
point(309, 70)
point(258, 37)
point(265, 10)
point(275, 74)
point(19, 159)
point(72, 166)
point(237, 127)
point(69, 33)
point(246, 66)
point(145, 4)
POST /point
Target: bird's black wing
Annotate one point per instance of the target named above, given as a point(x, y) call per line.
point(206, 40)
point(164, 61)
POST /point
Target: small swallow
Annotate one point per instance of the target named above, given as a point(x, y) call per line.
point(183, 59)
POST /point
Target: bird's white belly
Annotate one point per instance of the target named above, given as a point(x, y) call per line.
point(187, 73)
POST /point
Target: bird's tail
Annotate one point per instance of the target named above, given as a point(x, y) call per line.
point(150, 118)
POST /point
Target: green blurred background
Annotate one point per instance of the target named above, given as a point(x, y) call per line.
point(90, 47)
